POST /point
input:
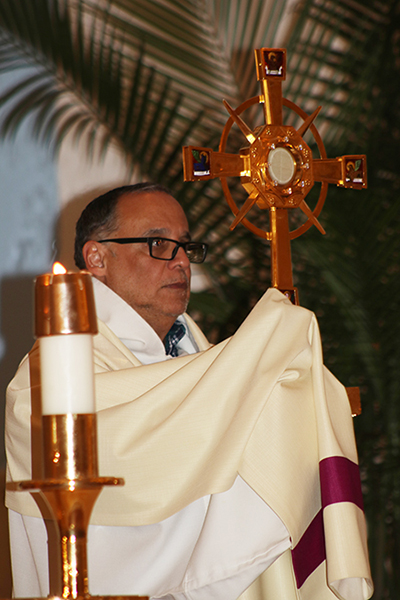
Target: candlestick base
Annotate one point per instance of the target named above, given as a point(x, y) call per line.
point(70, 489)
point(71, 502)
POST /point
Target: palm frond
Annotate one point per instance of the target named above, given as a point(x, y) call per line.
point(99, 45)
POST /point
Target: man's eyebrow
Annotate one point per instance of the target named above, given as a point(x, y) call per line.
point(162, 232)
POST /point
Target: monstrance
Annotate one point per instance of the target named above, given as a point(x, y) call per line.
point(276, 167)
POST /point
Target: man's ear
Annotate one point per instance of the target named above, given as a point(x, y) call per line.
point(93, 254)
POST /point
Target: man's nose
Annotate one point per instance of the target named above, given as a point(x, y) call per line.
point(180, 259)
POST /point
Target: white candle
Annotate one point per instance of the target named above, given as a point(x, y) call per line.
point(67, 378)
point(65, 322)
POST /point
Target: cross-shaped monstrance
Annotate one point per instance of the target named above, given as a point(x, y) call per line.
point(276, 167)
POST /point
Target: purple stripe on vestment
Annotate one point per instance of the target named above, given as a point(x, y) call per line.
point(340, 482)
point(310, 551)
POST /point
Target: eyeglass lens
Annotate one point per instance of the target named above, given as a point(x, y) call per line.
point(167, 249)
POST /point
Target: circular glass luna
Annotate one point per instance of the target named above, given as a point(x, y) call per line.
point(281, 165)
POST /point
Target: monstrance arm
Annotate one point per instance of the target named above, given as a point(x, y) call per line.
point(349, 171)
point(203, 163)
point(271, 71)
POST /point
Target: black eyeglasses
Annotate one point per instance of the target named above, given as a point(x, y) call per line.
point(166, 249)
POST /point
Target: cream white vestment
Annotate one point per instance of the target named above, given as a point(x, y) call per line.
point(181, 552)
point(259, 405)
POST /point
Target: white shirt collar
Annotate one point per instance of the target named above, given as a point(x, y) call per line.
point(133, 331)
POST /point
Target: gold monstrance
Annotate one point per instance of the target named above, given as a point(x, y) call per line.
point(277, 168)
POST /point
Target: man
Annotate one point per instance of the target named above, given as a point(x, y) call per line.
point(200, 440)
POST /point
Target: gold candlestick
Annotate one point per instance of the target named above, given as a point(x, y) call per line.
point(65, 306)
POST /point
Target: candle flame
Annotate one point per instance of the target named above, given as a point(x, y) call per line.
point(58, 269)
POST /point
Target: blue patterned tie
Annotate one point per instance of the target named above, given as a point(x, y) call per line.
point(173, 337)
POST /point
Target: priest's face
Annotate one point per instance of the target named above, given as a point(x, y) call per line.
point(158, 290)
